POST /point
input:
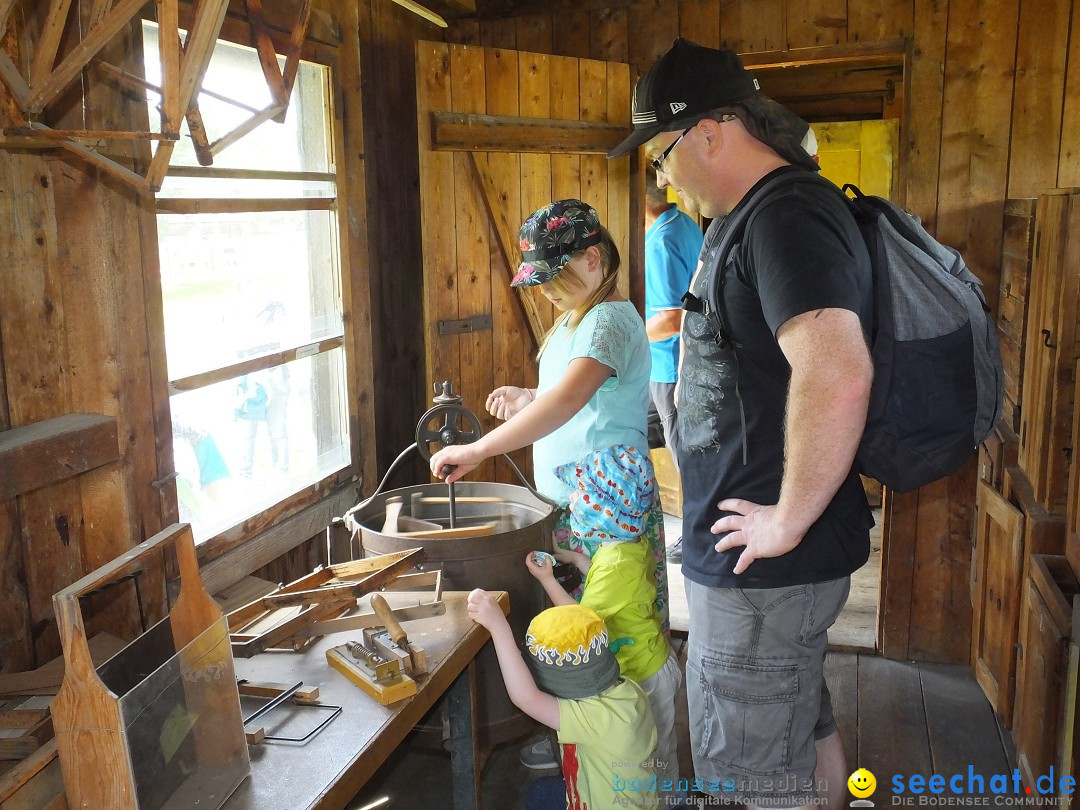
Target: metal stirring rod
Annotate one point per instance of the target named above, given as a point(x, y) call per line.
point(449, 468)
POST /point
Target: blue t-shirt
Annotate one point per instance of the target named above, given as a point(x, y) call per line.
point(612, 333)
point(672, 245)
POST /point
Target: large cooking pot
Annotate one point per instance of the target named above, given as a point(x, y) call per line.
point(495, 562)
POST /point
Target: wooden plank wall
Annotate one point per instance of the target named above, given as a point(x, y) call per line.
point(991, 112)
point(467, 273)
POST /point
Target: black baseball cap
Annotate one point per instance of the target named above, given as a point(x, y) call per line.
point(687, 81)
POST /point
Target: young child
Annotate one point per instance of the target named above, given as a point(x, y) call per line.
point(594, 371)
point(614, 490)
point(572, 685)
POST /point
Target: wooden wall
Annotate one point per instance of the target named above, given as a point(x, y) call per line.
point(992, 111)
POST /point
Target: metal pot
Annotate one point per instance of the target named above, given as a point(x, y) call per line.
point(495, 562)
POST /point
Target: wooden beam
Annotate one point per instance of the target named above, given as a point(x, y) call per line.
point(861, 54)
point(235, 370)
point(25, 770)
point(460, 132)
point(108, 165)
point(5, 12)
point(89, 134)
point(248, 126)
point(44, 453)
point(264, 46)
point(197, 51)
point(296, 45)
point(423, 11)
point(506, 235)
point(49, 42)
point(81, 54)
point(169, 49)
point(180, 205)
point(13, 80)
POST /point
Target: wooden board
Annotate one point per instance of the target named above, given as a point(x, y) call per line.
point(1045, 628)
point(1051, 350)
point(958, 721)
point(890, 692)
point(1017, 248)
point(998, 561)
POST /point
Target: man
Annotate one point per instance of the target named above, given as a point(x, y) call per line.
point(672, 245)
point(770, 414)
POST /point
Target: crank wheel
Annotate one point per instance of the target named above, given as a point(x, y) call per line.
point(459, 426)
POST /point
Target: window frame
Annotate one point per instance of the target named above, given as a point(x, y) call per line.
point(307, 512)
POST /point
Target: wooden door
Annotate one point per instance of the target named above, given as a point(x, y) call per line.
point(1052, 345)
point(1045, 626)
point(999, 528)
point(503, 133)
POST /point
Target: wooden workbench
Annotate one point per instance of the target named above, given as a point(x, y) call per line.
point(329, 769)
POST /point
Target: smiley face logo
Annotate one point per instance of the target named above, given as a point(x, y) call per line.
point(861, 783)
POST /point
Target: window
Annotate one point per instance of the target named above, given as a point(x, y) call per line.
point(251, 289)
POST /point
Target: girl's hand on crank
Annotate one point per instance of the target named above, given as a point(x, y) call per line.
point(540, 565)
point(459, 458)
point(484, 610)
point(507, 401)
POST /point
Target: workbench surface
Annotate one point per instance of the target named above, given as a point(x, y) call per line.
point(329, 769)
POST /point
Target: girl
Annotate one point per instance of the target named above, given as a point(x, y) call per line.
point(594, 372)
point(593, 394)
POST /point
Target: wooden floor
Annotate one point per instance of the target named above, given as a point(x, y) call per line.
point(894, 717)
point(856, 628)
point(904, 717)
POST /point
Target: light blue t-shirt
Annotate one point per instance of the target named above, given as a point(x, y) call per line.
point(672, 245)
point(612, 333)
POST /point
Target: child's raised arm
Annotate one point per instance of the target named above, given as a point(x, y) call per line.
point(520, 684)
point(542, 569)
point(551, 410)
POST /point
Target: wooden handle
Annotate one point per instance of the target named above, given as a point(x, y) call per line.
point(386, 616)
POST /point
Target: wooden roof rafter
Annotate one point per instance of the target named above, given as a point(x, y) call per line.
point(182, 68)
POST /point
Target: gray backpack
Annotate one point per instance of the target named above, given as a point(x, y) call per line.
point(938, 380)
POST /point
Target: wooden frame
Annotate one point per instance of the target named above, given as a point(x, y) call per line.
point(321, 595)
point(183, 67)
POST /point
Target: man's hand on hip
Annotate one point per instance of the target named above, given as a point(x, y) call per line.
point(757, 528)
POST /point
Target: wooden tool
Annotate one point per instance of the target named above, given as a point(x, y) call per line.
point(394, 522)
point(381, 678)
point(458, 532)
point(396, 631)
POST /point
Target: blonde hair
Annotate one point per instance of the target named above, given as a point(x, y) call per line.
point(569, 279)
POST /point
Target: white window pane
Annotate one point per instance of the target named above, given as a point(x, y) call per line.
point(244, 444)
point(242, 285)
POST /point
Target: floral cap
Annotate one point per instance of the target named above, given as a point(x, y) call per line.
point(613, 491)
point(551, 236)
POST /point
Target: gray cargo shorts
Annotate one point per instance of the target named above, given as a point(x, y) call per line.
point(756, 690)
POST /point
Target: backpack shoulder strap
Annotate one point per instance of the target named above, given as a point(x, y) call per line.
point(733, 229)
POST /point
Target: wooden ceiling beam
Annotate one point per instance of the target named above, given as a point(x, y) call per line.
point(459, 132)
point(5, 12)
point(49, 41)
point(81, 54)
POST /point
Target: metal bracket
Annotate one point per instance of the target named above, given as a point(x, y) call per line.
point(477, 323)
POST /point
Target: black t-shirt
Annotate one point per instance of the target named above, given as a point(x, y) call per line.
point(802, 252)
